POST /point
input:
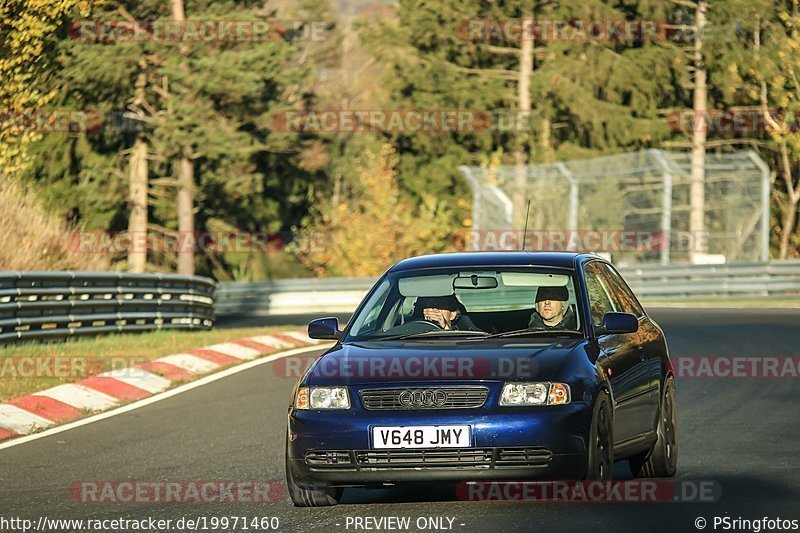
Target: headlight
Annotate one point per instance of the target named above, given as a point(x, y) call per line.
point(522, 394)
point(322, 398)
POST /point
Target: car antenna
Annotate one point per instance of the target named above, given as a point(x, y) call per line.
point(527, 214)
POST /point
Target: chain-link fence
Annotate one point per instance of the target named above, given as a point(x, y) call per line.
point(632, 207)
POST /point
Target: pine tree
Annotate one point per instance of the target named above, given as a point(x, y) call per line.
point(587, 96)
point(213, 101)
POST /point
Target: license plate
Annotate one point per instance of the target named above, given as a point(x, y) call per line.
point(421, 437)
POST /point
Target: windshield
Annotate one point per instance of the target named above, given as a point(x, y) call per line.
point(462, 303)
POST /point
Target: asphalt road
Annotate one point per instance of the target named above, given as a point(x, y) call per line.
point(740, 433)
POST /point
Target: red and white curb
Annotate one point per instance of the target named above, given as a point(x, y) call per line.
point(65, 403)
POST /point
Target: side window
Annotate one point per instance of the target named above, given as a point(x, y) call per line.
point(599, 298)
point(375, 305)
point(621, 293)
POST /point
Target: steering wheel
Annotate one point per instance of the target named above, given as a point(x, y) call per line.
point(417, 325)
point(434, 325)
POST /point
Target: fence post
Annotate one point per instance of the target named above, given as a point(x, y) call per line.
point(572, 223)
point(476, 205)
point(765, 192)
point(666, 206)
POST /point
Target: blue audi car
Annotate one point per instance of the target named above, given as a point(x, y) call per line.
point(484, 366)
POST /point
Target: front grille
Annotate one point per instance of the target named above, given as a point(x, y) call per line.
point(516, 457)
point(431, 398)
point(325, 457)
point(328, 460)
point(465, 458)
point(431, 459)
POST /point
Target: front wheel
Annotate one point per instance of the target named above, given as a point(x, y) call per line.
point(601, 441)
point(315, 496)
point(662, 460)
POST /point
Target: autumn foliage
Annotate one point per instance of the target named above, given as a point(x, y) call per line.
point(375, 225)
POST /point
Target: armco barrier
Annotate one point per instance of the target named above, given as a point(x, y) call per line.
point(52, 305)
point(45, 305)
point(291, 296)
point(780, 279)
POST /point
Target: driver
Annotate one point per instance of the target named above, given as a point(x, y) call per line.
point(446, 312)
point(553, 310)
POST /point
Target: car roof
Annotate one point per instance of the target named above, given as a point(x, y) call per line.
point(489, 259)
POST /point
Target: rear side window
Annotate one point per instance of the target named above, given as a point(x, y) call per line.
point(621, 294)
point(599, 295)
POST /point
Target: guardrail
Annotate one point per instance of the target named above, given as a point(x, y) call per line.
point(291, 296)
point(650, 283)
point(52, 305)
point(46, 305)
point(715, 282)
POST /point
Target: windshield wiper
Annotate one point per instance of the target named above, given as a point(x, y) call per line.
point(531, 332)
point(436, 333)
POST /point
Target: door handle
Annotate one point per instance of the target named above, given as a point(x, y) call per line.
point(642, 357)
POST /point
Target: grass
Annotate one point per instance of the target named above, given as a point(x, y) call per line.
point(36, 239)
point(31, 367)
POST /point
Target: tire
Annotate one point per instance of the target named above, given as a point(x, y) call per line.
point(601, 441)
point(662, 460)
point(320, 495)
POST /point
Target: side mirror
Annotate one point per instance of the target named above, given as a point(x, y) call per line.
point(619, 323)
point(324, 328)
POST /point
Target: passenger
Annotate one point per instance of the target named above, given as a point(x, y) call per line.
point(447, 312)
point(553, 310)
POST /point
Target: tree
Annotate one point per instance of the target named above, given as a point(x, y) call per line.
point(586, 96)
point(138, 185)
point(779, 88)
point(373, 227)
point(751, 63)
point(185, 171)
point(697, 194)
point(217, 99)
point(27, 63)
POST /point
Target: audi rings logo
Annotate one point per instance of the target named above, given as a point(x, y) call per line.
point(425, 398)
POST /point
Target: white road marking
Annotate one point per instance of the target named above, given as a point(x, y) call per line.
point(301, 336)
point(234, 350)
point(79, 397)
point(269, 340)
point(192, 363)
point(21, 421)
point(162, 396)
point(140, 378)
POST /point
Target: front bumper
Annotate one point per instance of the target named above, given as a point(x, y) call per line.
point(507, 443)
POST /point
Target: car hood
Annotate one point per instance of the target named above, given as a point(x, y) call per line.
point(451, 361)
